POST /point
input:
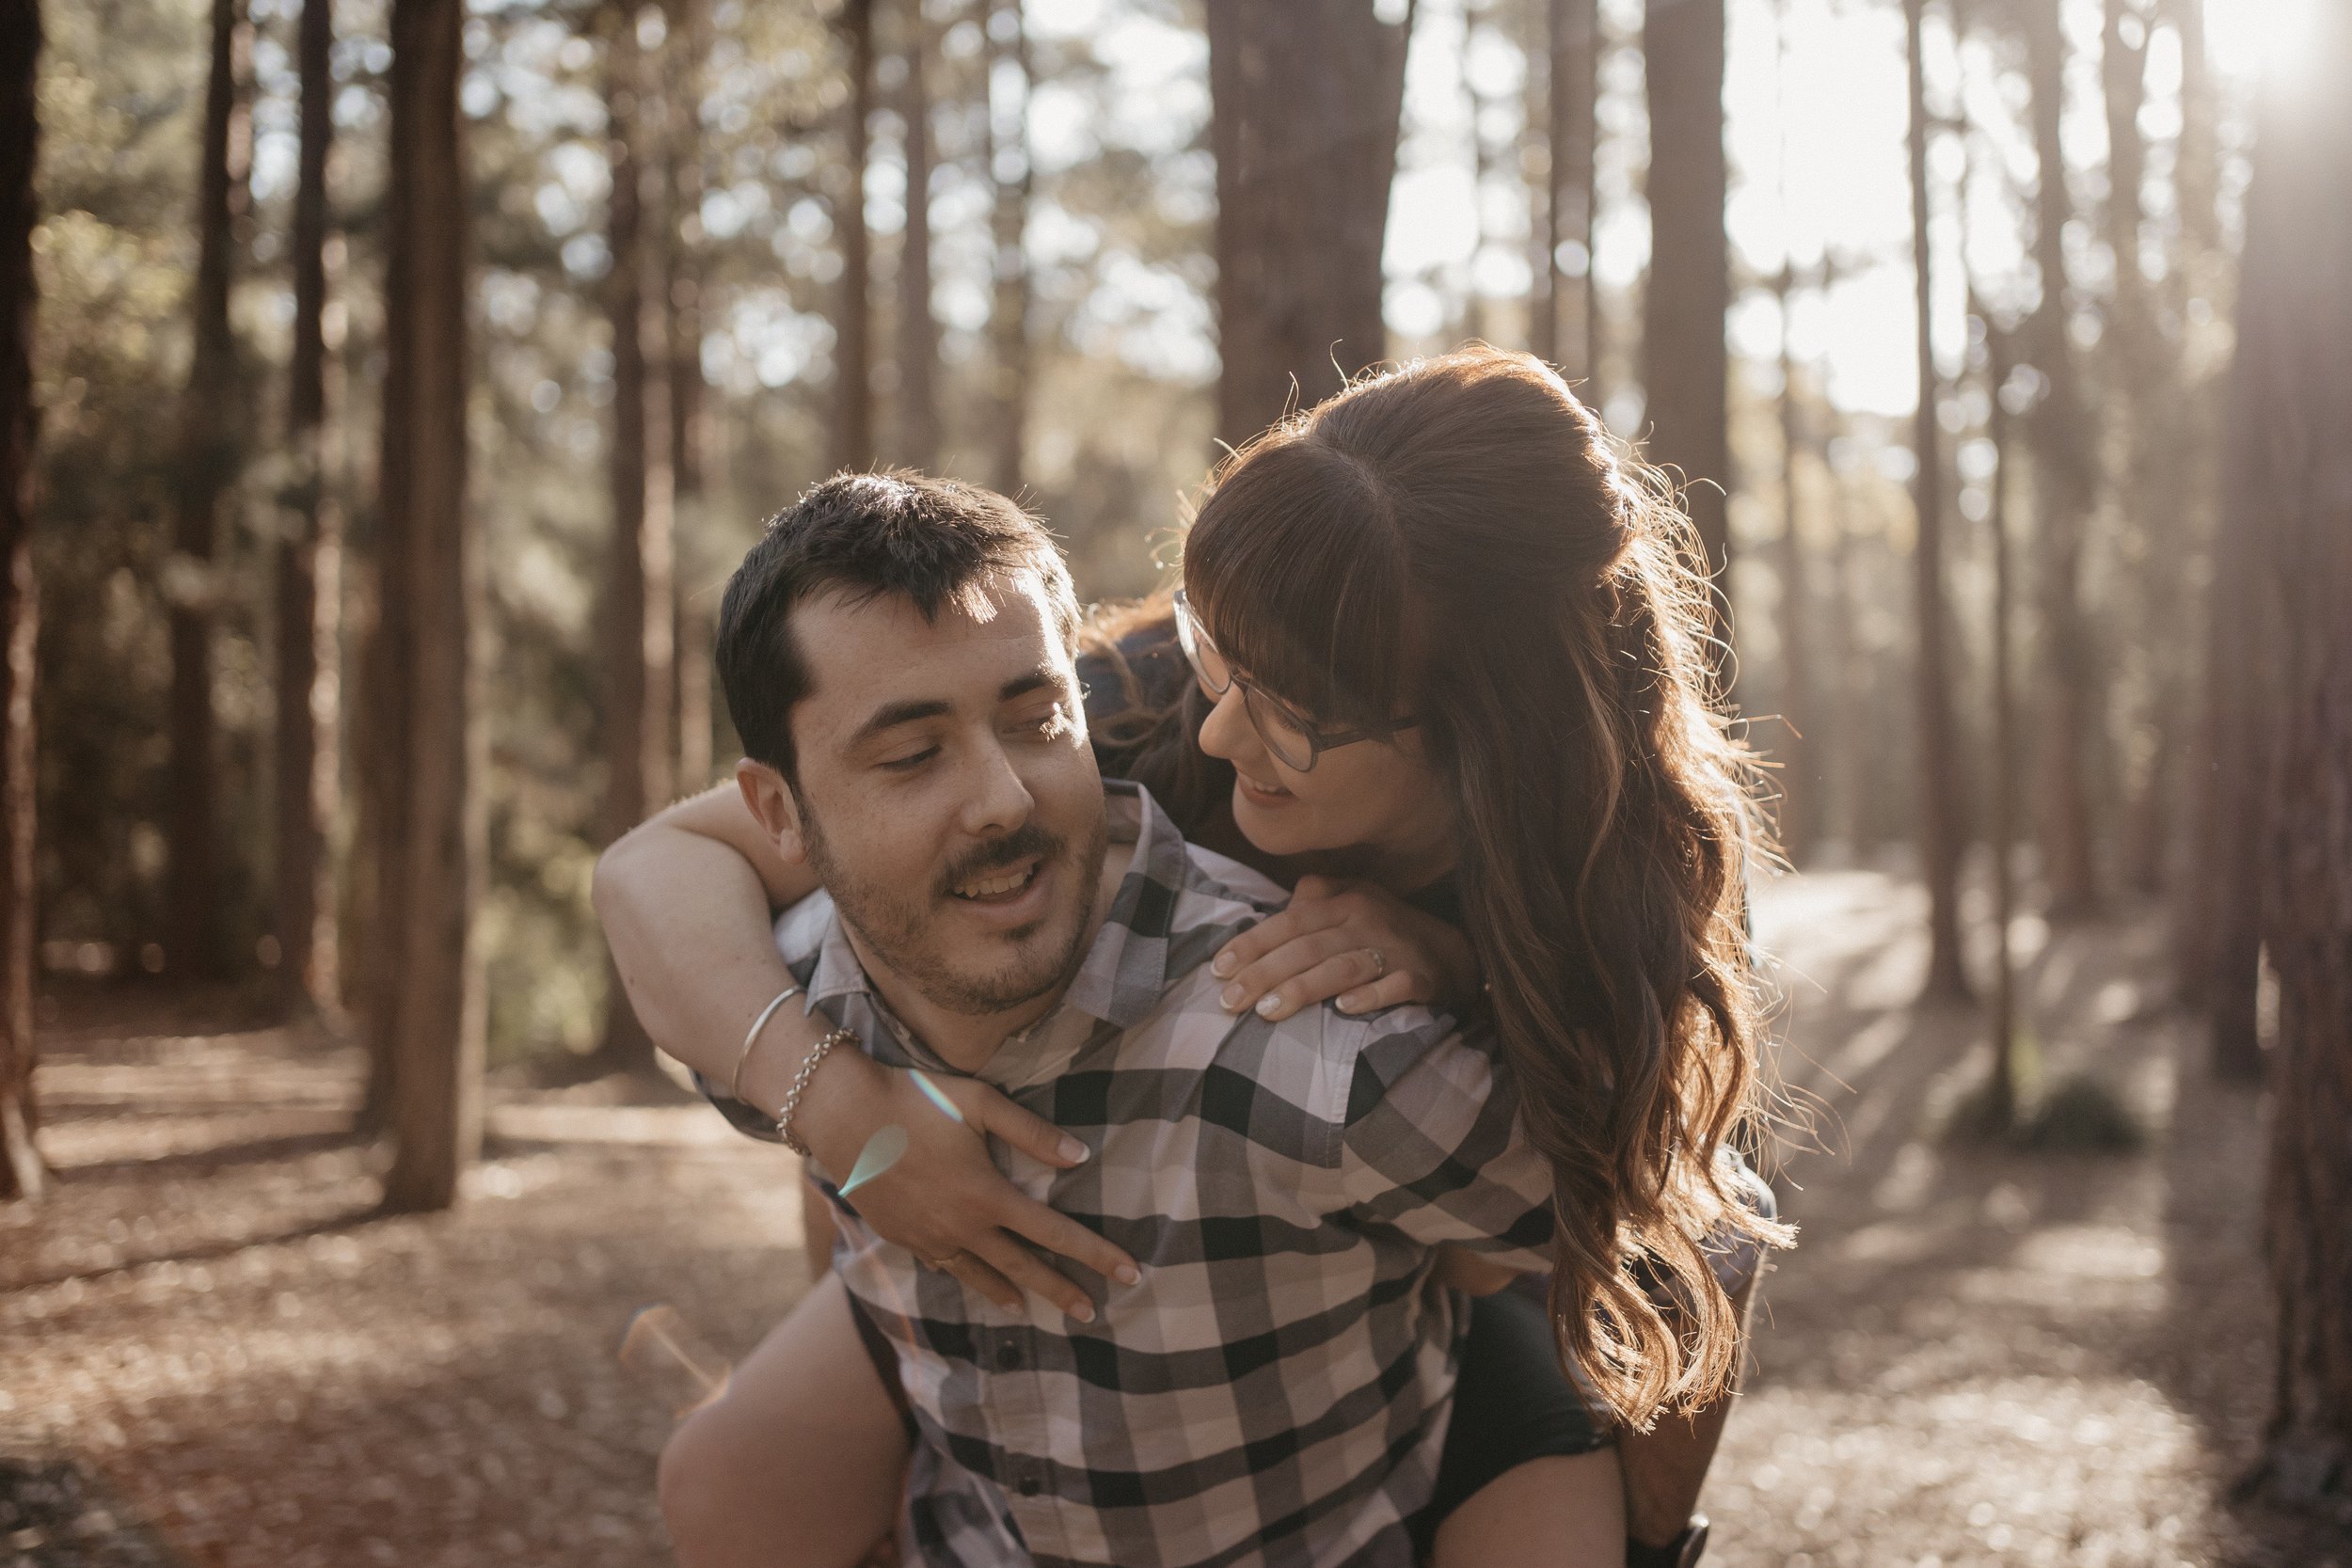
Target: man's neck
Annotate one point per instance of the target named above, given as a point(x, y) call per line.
point(968, 1041)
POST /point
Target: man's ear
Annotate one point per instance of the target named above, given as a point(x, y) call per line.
point(772, 803)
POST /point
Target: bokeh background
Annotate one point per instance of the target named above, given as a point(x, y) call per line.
point(391, 385)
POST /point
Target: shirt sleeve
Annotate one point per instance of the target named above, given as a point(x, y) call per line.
point(1431, 1145)
point(747, 1120)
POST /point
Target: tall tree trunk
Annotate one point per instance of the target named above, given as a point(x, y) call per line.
point(1571, 92)
point(690, 417)
point(209, 454)
point(2295, 356)
point(310, 573)
point(432, 853)
point(2065, 453)
point(1800, 805)
point(918, 329)
point(640, 640)
point(21, 1173)
point(1008, 169)
point(1307, 97)
point(2001, 816)
point(1476, 323)
point(1941, 829)
point(853, 323)
point(1685, 367)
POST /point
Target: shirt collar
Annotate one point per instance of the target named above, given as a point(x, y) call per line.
point(1125, 970)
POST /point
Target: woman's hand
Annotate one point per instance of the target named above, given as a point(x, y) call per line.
point(944, 1199)
point(1352, 941)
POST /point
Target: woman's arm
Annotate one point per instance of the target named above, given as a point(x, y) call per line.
point(686, 902)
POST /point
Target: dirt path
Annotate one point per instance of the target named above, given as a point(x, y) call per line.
point(1973, 1358)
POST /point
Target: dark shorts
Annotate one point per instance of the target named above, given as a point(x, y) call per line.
point(1513, 1402)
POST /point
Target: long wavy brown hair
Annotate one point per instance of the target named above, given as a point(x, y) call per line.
point(1459, 539)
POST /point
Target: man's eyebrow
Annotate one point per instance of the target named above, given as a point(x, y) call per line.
point(891, 715)
point(1037, 679)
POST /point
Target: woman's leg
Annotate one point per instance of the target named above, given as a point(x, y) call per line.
point(801, 1464)
point(1529, 1476)
point(1566, 1510)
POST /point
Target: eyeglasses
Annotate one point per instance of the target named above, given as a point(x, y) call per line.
point(1294, 742)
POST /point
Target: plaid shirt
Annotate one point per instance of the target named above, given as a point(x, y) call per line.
point(1276, 1390)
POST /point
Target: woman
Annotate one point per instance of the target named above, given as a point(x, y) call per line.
point(1448, 666)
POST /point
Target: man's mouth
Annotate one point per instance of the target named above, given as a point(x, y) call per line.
point(999, 886)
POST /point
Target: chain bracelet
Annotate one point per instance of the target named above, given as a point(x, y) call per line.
point(800, 1086)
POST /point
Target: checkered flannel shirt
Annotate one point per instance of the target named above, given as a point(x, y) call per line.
point(1276, 1390)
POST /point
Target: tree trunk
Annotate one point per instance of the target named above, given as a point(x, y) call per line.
point(1572, 90)
point(918, 329)
point(1476, 323)
point(1008, 316)
point(309, 574)
point(640, 640)
point(1800, 803)
point(432, 863)
point(1941, 829)
point(2295, 356)
point(690, 417)
point(1686, 368)
point(2001, 824)
point(853, 323)
point(21, 1173)
point(2066, 459)
point(1306, 98)
point(208, 455)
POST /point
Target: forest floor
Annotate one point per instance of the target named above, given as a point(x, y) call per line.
point(213, 1353)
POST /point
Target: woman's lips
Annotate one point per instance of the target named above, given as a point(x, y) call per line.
point(1258, 794)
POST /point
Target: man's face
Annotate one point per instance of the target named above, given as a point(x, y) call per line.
point(948, 796)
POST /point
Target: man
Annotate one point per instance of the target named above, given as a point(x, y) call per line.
point(898, 656)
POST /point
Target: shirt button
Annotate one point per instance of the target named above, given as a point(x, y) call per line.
point(1031, 1486)
point(1008, 1357)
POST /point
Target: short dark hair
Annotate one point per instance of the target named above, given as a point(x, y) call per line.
point(938, 542)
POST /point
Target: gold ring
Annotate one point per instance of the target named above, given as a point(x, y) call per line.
point(1379, 964)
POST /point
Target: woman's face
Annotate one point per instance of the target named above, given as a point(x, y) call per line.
point(1378, 801)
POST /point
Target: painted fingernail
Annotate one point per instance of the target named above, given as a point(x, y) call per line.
point(1074, 1151)
point(1269, 1005)
point(1127, 1274)
point(1230, 996)
point(1084, 1311)
point(1349, 1003)
point(1222, 966)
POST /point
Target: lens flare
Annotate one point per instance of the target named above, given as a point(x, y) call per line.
point(881, 1152)
point(663, 1350)
point(936, 1095)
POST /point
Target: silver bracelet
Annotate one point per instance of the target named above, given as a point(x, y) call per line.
point(800, 1086)
point(735, 1085)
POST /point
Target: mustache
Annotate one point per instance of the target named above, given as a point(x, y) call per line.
point(1024, 842)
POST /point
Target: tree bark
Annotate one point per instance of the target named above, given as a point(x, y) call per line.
point(918, 329)
point(208, 455)
point(1800, 803)
point(2296, 354)
point(689, 417)
point(1307, 97)
point(640, 639)
point(1572, 91)
point(1686, 367)
point(853, 320)
point(23, 1174)
point(1941, 830)
point(1009, 315)
point(2065, 457)
point(432, 863)
point(310, 573)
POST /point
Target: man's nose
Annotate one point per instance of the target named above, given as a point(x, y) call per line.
point(999, 800)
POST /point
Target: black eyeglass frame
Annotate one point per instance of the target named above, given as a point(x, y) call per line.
point(1191, 636)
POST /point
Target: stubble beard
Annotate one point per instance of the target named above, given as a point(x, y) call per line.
point(903, 933)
